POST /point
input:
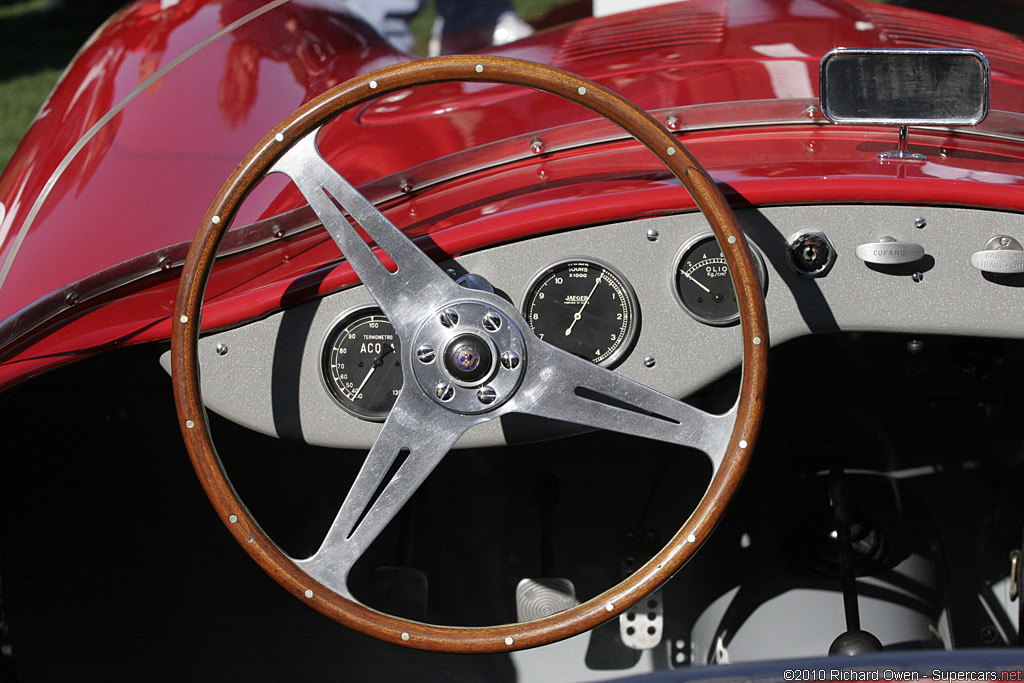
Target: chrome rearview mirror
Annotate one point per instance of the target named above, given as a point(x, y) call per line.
point(904, 88)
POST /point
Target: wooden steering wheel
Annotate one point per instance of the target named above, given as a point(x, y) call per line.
point(468, 357)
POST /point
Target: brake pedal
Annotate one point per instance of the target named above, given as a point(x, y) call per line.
point(538, 598)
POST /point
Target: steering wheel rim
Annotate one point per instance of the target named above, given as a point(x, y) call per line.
point(269, 155)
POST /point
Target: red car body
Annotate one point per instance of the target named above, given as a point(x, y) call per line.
point(119, 166)
point(100, 202)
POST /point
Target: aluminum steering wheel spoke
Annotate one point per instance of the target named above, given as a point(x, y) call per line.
point(561, 386)
point(468, 356)
point(373, 500)
point(417, 279)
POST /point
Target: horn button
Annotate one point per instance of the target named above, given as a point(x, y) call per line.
point(469, 357)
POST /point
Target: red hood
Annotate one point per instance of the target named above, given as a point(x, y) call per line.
point(124, 158)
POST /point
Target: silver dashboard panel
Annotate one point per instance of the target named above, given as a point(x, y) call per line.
point(269, 378)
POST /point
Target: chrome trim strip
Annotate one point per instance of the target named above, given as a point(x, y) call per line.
point(91, 133)
point(127, 272)
point(998, 125)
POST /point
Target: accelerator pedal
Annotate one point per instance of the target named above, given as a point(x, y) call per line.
point(642, 626)
point(538, 598)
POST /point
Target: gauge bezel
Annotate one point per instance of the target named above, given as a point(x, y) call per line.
point(344, 320)
point(759, 266)
point(632, 333)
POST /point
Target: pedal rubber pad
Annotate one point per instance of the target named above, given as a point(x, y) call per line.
point(537, 598)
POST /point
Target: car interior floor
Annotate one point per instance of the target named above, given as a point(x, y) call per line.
point(113, 564)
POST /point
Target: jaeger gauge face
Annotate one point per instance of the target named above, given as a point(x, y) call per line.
point(585, 307)
point(361, 364)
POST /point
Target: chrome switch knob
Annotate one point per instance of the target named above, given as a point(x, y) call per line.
point(887, 251)
point(1002, 255)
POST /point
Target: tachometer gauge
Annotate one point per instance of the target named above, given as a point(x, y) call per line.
point(361, 364)
point(702, 281)
point(584, 307)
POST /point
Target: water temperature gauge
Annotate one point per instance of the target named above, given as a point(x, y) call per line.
point(361, 365)
point(702, 281)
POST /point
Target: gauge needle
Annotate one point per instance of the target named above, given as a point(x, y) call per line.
point(373, 366)
point(696, 283)
point(579, 314)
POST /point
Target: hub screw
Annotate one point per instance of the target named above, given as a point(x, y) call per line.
point(486, 395)
point(510, 359)
point(425, 353)
point(492, 321)
point(445, 391)
point(449, 318)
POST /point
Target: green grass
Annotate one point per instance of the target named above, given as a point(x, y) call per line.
point(20, 99)
point(34, 54)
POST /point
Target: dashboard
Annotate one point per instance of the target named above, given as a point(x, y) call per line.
point(650, 298)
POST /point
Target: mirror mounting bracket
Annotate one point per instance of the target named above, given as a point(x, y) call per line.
point(901, 154)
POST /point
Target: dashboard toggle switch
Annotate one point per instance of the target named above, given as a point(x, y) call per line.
point(887, 251)
point(1002, 255)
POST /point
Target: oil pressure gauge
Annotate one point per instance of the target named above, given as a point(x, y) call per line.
point(361, 364)
point(585, 307)
point(702, 281)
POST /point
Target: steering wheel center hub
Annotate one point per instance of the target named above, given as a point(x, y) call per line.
point(469, 357)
